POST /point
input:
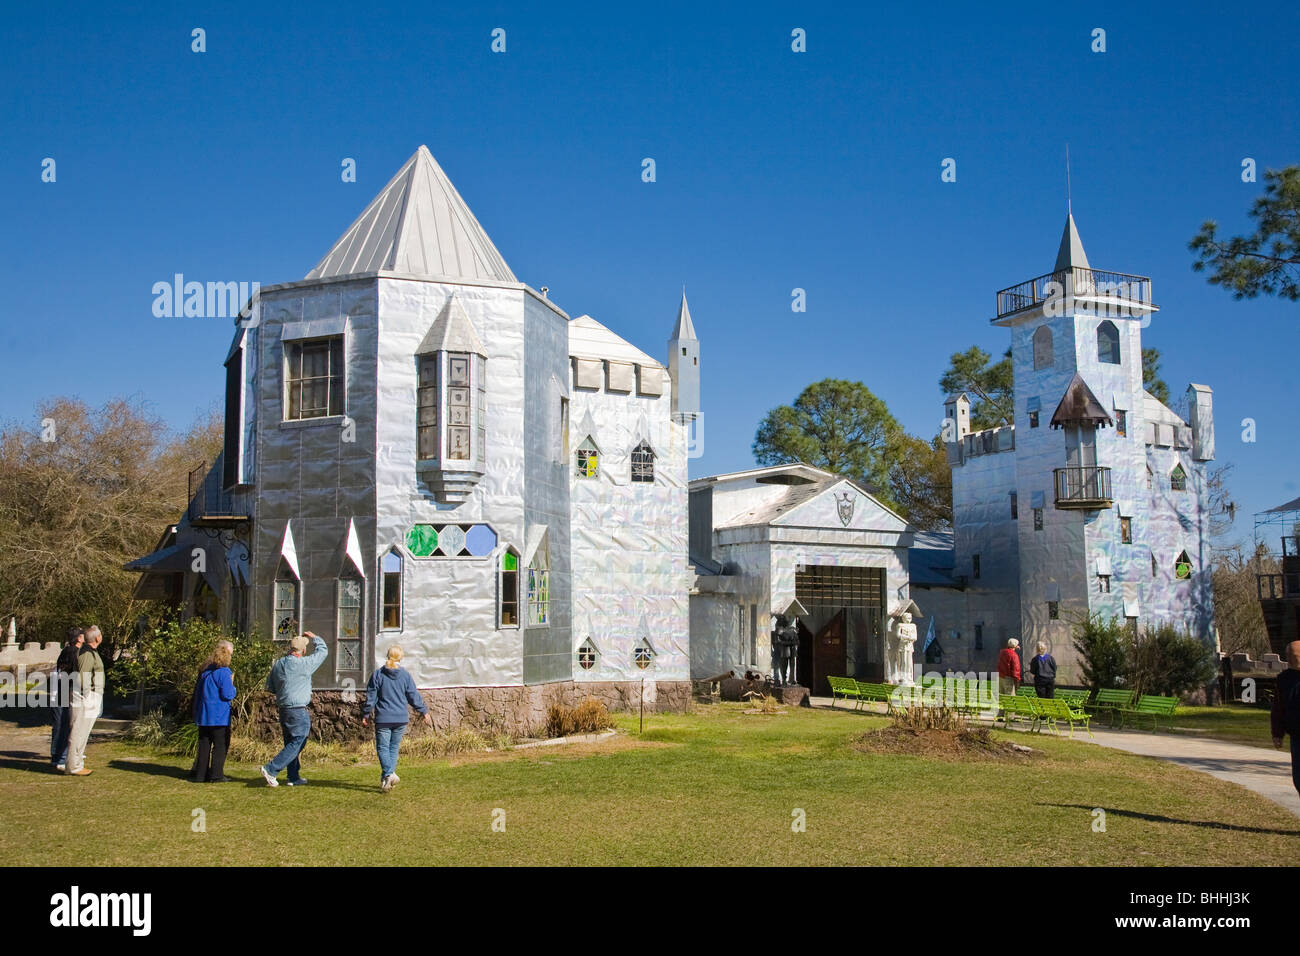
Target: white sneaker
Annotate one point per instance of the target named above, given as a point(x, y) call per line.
point(62, 766)
point(387, 783)
point(270, 780)
point(396, 779)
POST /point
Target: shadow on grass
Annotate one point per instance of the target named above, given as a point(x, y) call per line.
point(28, 760)
point(1158, 818)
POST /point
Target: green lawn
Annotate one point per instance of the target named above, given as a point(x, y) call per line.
point(717, 786)
point(1237, 723)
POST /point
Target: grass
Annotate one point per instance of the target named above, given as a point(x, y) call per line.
point(1238, 723)
point(718, 786)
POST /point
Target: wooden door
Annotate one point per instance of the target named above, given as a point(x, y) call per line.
point(829, 658)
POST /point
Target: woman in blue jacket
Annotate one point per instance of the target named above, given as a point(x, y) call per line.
point(213, 692)
point(388, 694)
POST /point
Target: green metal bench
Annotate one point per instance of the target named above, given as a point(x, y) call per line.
point(1026, 690)
point(879, 693)
point(1150, 705)
point(1018, 706)
point(1053, 709)
point(1110, 701)
point(1077, 698)
point(844, 688)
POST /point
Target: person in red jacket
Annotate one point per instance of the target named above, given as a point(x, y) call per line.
point(1286, 709)
point(1009, 668)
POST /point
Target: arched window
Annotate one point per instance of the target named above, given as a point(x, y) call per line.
point(588, 459)
point(643, 463)
point(1043, 348)
point(1182, 566)
point(587, 655)
point(509, 604)
point(206, 605)
point(539, 588)
point(1178, 479)
point(391, 574)
point(1108, 343)
point(286, 614)
point(350, 602)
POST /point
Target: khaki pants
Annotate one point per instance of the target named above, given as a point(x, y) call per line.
point(1007, 686)
point(85, 710)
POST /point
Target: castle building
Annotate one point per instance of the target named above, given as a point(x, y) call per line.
point(422, 449)
point(1094, 502)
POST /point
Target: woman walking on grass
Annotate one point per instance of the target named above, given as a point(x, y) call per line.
point(213, 693)
point(390, 691)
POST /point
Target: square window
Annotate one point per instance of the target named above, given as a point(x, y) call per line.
point(313, 378)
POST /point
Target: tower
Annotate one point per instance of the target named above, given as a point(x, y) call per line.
point(684, 366)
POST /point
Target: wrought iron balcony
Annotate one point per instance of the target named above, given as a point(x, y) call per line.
point(1086, 488)
point(1112, 293)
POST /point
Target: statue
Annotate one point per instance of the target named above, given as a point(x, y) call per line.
point(900, 656)
point(785, 649)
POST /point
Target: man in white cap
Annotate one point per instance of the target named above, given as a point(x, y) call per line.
point(290, 681)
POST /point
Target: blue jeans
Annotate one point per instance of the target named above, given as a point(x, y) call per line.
point(295, 725)
point(60, 733)
point(388, 738)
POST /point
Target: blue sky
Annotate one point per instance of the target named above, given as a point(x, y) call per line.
point(775, 170)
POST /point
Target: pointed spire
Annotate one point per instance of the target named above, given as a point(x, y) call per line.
point(685, 330)
point(419, 225)
point(451, 332)
point(1071, 254)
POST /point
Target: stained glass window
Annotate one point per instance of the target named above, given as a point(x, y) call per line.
point(643, 463)
point(349, 634)
point(586, 655)
point(286, 609)
point(1178, 479)
point(539, 589)
point(509, 589)
point(1182, 567)
point(459, 407)
point(643, 654)
point(588, 460)
point(422, 540)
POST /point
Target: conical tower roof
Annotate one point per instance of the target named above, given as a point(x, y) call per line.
point(684, 330)
point(419, 225)
point(1071, 254)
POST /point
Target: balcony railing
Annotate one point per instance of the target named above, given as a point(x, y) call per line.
point(1082, 487)
point(1277, 587)
point(1116, 294)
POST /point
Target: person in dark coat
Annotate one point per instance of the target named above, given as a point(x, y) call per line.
point(213, 692)
point(1043, 667)
point(1285, 716)
point(61, 699)
point(390, 691)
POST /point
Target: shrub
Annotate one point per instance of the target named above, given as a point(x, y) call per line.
point(1170, 661)
point(1103, 647)
point(172, 654)
point(920, 719)
point(588, 717)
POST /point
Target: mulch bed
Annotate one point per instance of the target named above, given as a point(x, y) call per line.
point(976, 744)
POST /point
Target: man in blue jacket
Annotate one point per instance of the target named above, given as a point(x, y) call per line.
point(290, 681)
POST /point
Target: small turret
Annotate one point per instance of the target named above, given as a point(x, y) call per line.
point(956, 425)
point(684, 366)
point(1200, 415)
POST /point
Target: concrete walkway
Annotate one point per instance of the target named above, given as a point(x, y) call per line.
point(1263, 770)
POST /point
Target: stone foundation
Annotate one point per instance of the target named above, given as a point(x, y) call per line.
point(519, 711)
